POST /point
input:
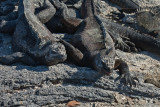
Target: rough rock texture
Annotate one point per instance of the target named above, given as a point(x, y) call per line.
point(36, 86)
point(24, 85)
point(56, 85)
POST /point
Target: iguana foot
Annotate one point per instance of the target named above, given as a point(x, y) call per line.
point(120, 44)
point(125, 44)
point(125, 77)
point(117, 15)
point(132, 46)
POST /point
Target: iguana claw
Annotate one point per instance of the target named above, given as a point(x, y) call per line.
point(125, 44)
point(127, 79)
point(117, 15)
point(132, 46)
point(120, 44)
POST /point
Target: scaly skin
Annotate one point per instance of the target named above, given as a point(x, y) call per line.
point(8, 16)
point(44, 10)
point(33, 43)
point(149, 18)
point(127, 6)
point(92, 46)
point(145, 42)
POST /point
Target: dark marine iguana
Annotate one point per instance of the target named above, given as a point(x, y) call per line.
point(88, 40)
point(33, 43)
point(126, 5)
point(143, 41)
point(92, 46)
point(8, 16)
point(44, 10)
point(119, 32)
point(147, 16)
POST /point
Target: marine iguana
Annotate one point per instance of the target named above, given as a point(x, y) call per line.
point(126, 5)
point(33, 43)
point(120, 33)
point(92, 46)
point(143, 41)
point(147, 16)
point(8, 16)
point(44, 10)
point(95, 49)
point(88, 42)
point(54, 24)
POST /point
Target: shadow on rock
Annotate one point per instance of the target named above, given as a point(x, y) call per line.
point(32, 68)
point(154, 56)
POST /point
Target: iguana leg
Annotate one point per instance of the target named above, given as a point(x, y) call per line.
point(17, 57)
point(124, 72)
point(121, 42)
point(75, 54)
point(117, 15)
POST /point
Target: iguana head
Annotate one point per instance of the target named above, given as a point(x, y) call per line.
point(149, 17)
point(104, 63)
point(145, 19)
point(56, 53)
